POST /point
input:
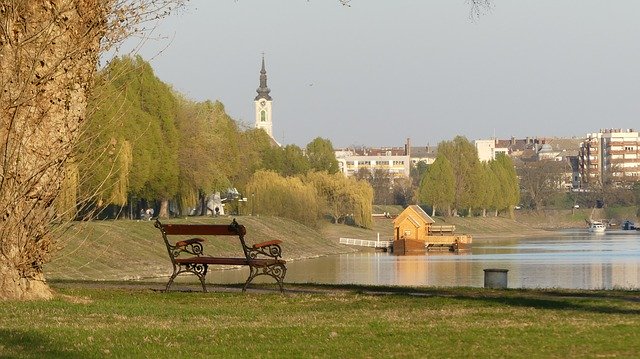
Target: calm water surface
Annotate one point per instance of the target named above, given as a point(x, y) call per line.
point(567, 259)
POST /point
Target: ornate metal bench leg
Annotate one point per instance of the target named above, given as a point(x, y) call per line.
point(275, 271)
point(201, 271)
point(204, 286)
point(253, 272)
point(173, 276)
point(278, 272)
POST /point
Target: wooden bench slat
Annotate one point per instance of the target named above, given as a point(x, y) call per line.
point(202, 229)
point(259, 262)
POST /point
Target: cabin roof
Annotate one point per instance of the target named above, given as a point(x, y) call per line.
point(419, 213)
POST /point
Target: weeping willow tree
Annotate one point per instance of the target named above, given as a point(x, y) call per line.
point(212, 152)
point(287, 197)
point(49, 50)
point(103, 156)
point(362, 203)
point(253, 144)
point(128, 148)
point(343, 198)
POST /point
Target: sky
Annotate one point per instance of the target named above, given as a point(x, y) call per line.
point(381, 71)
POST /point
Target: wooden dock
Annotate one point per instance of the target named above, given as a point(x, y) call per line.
point(451, 243)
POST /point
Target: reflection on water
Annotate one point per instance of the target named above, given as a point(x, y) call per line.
point(568, 259)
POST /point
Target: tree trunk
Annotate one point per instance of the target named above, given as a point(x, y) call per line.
point(202, 204)
point(49, 52)
point(164, 209)
point(13, 285)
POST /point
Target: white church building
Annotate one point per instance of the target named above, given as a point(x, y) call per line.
point(263, 105)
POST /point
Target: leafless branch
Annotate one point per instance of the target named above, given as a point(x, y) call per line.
point(478, 8)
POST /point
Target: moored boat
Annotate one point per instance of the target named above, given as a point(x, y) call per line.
point(628, 225)
point(597, 227)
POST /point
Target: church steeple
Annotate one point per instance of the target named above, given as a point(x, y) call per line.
point(263, 104)
point(263, 90)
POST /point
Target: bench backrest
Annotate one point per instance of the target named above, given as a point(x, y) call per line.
point(204, 229)
point(194, 246)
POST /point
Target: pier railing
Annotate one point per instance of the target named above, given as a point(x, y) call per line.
point(366, 243)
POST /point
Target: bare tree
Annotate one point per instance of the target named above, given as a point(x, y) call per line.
point(540, 181)
point(49, 52)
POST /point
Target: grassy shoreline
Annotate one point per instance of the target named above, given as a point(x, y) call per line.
point(133, 250)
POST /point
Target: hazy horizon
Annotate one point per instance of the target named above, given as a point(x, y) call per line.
point(379, 72)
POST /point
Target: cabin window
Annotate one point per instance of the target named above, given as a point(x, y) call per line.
point(407, 232)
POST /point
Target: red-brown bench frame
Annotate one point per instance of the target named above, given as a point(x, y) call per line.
point(187, 256)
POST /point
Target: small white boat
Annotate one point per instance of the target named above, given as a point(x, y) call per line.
point(597, 227)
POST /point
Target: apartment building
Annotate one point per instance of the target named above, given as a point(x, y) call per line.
point(395, 160)
point(391, 159)
point(611, 153)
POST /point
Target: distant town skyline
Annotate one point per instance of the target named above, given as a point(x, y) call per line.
point(380, 71)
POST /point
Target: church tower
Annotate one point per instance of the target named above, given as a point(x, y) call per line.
point(263, 104)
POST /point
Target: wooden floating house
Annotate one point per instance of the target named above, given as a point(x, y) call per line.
point(415, 232)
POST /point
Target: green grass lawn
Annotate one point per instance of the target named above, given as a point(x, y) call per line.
point(96, 321)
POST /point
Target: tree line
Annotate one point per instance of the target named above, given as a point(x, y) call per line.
point(144, 145)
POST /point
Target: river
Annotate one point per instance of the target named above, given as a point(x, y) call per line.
point(572, 259)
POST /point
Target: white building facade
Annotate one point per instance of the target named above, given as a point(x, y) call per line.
point(613, 154)
point(488, 150)
point(621, 155)
point(392, 160)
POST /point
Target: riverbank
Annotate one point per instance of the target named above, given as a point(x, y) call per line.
point(524, 223)
point(133, 250)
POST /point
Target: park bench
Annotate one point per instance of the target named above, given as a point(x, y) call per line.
point(187, 254)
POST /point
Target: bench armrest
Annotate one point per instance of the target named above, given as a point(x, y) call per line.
point(192, 246)
point(266, 244)
point(189, 241)
point(269, 249)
